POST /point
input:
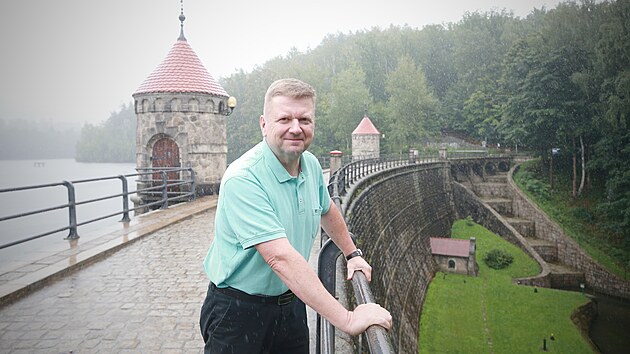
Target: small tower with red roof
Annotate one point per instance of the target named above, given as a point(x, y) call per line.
point(181, 111)
point(366, 140)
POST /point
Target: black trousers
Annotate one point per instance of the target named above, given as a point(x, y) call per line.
point(231, 325)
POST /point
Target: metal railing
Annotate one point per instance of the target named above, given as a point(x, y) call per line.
point(377, 337)
point(354, 171)
point(162, 190)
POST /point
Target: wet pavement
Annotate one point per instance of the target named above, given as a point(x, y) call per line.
point(142, 298)
point(118, 296)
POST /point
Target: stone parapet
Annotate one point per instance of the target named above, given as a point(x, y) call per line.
point(393, 217)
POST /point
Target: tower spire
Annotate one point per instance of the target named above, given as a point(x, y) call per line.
point(181, 20)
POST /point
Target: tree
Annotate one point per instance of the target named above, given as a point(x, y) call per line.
point(412, 109)
point(111, 141)
point(347, 100)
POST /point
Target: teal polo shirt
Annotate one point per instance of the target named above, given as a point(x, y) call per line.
point(260, 201)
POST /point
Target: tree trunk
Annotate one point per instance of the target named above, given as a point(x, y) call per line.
point(551, 169)
point(574, 179)
point(583, 168)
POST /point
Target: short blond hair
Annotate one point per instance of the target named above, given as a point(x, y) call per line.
point(290, 87)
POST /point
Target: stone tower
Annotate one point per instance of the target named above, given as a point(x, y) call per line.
point(366, 141)
point(181, 111)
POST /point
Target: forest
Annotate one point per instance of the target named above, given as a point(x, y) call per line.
point(557, 80)
point(22, 139)
point(111, 141)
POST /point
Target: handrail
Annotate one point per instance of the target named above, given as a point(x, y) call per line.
point(164, 188)
point(377, 336)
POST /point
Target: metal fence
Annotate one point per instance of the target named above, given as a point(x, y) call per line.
point(160, 187)
point(354, 171)
point(377, 337)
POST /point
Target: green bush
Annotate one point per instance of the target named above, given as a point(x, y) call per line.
point(583, 214)
point(498, 259)
point(535, 186)
point(469, 221)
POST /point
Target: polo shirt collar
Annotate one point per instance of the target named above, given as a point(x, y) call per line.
point(282, 175)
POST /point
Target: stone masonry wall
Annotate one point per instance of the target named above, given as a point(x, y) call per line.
point(597, 277)
point(193, 121)
point(468, 204)
point(393, 218)
point(366, 146)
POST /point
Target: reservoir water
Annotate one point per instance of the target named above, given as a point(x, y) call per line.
point(19, 173)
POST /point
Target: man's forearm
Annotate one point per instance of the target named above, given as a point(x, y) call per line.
point(335, 226)
point(298, 275)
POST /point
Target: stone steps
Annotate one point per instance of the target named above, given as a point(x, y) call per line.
point(493, 191)
point(502, 205)
point(498, 178)
point(565, 277)
point(546, 249)
point(524, 226)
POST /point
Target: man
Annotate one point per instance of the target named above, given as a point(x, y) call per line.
point(272, 201)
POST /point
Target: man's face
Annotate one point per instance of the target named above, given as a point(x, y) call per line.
point(288, 126)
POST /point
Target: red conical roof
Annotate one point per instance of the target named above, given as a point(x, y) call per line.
point(366, 128)
point(181, 71)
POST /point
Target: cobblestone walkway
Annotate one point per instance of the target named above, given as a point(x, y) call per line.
point(145, 298)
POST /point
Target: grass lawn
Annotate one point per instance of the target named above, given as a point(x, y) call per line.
point(490, 314)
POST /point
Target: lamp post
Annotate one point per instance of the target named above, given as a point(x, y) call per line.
point(582, 288)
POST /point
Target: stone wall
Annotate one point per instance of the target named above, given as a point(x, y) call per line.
point(461, 264)
point(569, 253)
point(366, 146)
point(194, 122)
point(393, 217)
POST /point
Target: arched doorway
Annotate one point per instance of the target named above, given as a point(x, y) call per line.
point(165, 154)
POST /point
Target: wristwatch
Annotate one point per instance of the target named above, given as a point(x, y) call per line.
point(357, 253)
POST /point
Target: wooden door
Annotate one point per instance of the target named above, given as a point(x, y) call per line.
point(166, 155)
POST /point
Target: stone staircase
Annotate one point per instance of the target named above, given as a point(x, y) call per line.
point(494, 192)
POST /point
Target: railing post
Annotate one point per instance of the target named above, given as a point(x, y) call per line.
point(326, 270)
point(164, 191)
point(193, 185)
point(125, 197)
point(443, 154)
point(72, 212)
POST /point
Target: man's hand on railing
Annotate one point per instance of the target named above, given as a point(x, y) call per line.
point(359, 264)
point(365, 316)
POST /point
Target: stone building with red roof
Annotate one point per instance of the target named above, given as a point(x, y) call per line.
point(182, 118)
point(455, 255)
point(366, 141)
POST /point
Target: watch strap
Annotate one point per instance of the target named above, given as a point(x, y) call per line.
point(355, 253)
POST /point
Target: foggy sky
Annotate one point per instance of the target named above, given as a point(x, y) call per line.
point(79, 60)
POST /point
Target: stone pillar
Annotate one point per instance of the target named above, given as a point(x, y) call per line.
point(472, 259)
point(443, 155)
point(335, 161)
point(413, 155)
